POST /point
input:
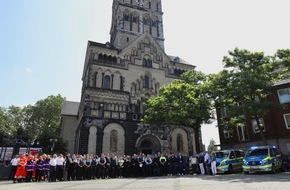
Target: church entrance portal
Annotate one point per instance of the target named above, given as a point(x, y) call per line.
point(148, 145)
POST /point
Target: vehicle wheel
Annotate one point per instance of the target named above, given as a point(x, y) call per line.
point(230, 169)
point(273, 170)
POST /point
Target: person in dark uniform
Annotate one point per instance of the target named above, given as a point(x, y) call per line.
point(80, 168)
point(68, 162)
point(148, 165)
point(169, 164)
point(98, 167)
point(102, 167)
point(174, 164)
point(108, 171)
point(156, 169)
point(87, 167)
point(127, 166)
point(141, 168)
point(200, 160)
point(134, 165)
point(120, 168)
point(163, 165)
point(73, 167)
point(180, 162)
point(93, 167)
point(114, 167)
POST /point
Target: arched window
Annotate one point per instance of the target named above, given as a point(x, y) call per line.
point(95, 79)
point(147, 63)
point(146, 82)
point(107, 82)
point(101, 57)
point(113, 140)
point(135, 18)
point(179, 143)
point(126, 17)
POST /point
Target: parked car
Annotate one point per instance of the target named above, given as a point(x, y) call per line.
point(229, 161)
point(262, 159)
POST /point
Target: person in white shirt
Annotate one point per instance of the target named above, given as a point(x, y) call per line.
point(52, 164)
point(14, 163)
point(59, 167)
point(207, 163)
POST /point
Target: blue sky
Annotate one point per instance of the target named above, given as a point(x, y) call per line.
point(43, 42)
point(42, 47)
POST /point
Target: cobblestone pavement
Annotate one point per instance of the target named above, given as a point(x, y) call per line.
point(279, 181)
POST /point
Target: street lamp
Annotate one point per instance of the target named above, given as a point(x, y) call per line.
point(53, 141)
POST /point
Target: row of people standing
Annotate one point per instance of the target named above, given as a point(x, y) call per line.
point(85, 167)
point(37, 168)
point(110, 166)
point(207, 163)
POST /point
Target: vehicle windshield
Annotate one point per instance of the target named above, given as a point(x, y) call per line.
point(222, 154)
point(257, 152)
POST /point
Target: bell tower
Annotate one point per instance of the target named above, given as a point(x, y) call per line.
point(132, 18)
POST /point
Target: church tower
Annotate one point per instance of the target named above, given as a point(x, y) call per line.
point(132, 18)
point(118, 78)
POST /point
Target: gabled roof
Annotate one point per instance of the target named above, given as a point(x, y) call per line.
point(145, 34)
point(105, 45)
point(178, 60)
point(175, 59)
point(70, 108)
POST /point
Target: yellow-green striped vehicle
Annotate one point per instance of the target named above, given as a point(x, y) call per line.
point(229, 161)
point(262, 159)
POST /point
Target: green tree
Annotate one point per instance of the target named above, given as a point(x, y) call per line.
point(11, 119)
point(3, 125)
point(245, 84)
point(43, 122)
point(40, 122)
point(183, 102)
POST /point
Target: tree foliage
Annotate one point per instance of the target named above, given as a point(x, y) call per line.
point(40, 122)
point(245, 83)
point(183, 102)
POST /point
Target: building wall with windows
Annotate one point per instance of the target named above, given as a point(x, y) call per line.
point(276, 124)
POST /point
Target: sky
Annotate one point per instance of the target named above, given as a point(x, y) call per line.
point(43, 42)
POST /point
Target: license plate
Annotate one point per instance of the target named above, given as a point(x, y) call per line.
point(254, 167)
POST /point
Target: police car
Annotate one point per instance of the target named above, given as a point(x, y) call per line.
point(229, 161)
point(262, 159)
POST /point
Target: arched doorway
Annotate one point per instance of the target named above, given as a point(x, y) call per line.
point(148, 144)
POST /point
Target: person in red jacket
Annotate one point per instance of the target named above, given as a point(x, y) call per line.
point(21, 169)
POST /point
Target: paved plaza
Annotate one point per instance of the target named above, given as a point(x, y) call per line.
point(279, 181)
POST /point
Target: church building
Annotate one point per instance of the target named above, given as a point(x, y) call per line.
point(118, 77)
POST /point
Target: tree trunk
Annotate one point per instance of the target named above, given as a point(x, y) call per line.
point(198, 139)
point(261, 129)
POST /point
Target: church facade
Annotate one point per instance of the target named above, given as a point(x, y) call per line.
point(118, 77)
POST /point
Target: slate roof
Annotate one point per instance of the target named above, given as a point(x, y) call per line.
point(178, 59)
